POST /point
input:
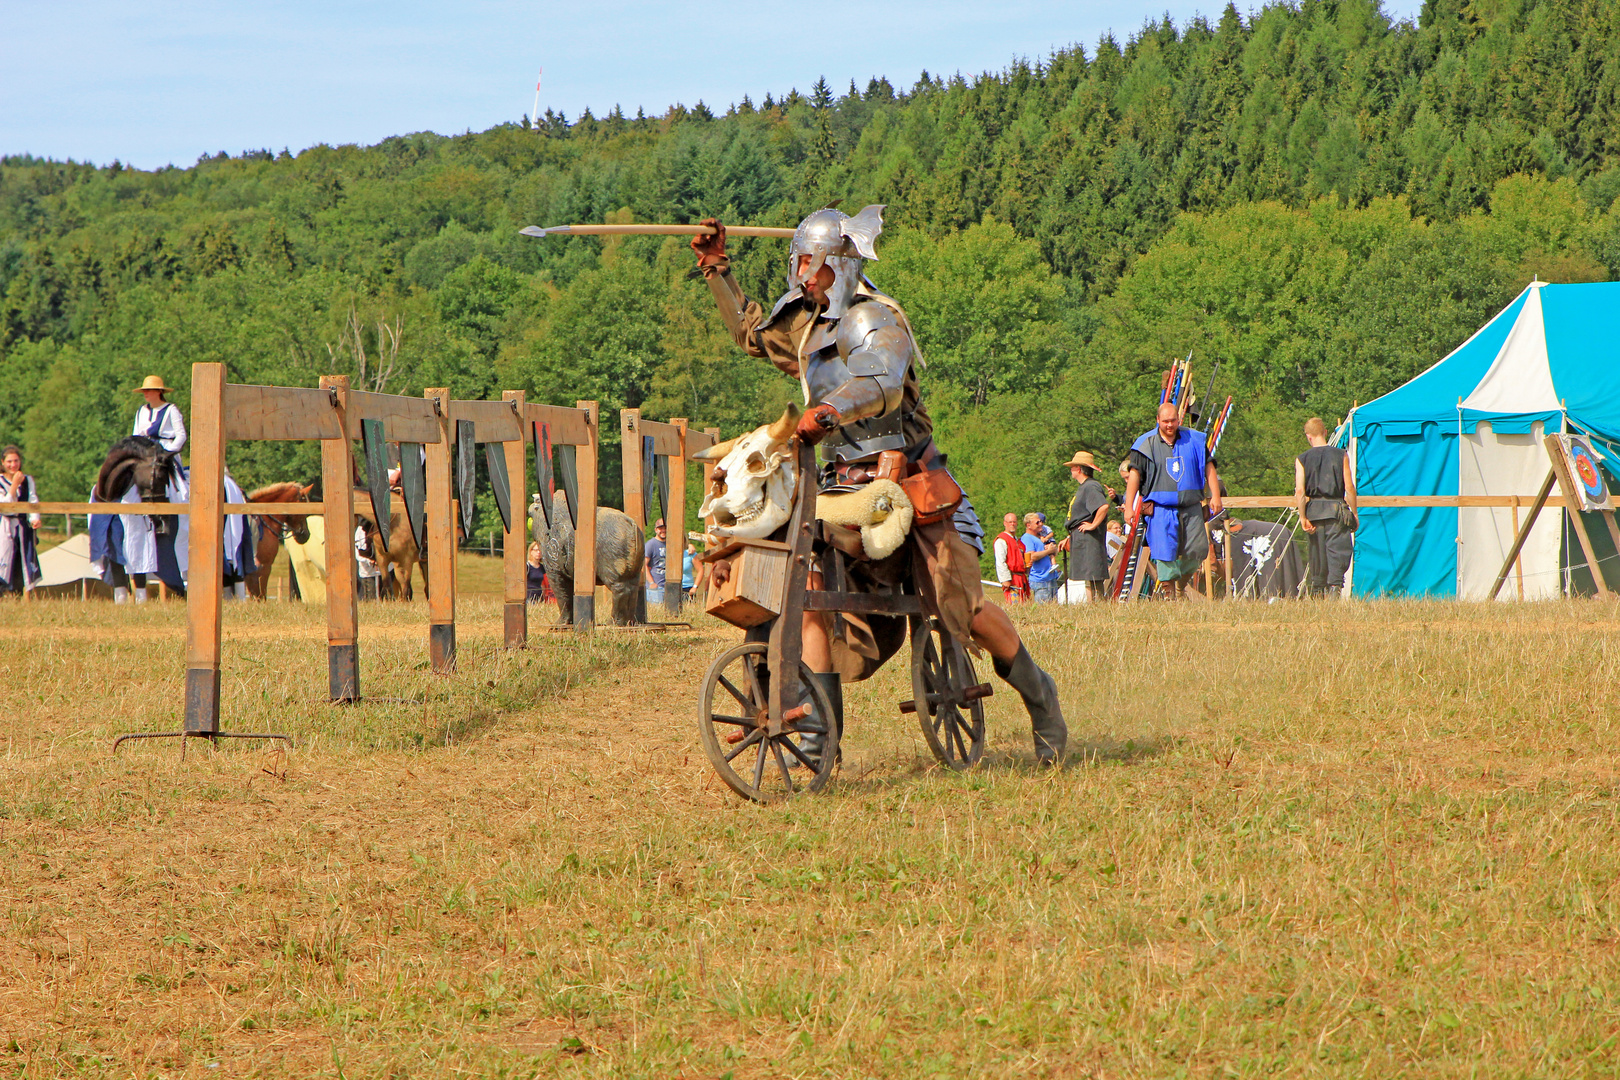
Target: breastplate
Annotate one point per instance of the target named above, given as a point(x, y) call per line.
point(825, 373)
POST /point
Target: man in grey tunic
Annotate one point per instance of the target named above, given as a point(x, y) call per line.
point(1088, 531)
point(1323, 487)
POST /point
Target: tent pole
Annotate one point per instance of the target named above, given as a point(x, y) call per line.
point(1524, 534)
point(1518, 561)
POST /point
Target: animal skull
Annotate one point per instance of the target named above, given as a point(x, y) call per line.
point(751, 492)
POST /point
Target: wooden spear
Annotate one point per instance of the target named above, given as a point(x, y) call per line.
point(651, 230)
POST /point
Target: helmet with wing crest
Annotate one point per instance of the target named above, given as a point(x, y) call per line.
point(834, 239)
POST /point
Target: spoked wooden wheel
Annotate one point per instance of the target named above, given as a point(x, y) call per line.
point(734, 719)
point(949, 699)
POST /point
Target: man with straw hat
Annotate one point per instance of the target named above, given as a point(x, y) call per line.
point(1088, 531)
point(158, 418)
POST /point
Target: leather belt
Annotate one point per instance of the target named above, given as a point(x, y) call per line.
point(864, 472)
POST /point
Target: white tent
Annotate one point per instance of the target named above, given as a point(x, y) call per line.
point(1473, 425)
point(66, 570)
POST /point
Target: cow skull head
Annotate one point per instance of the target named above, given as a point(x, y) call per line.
point(751, 490)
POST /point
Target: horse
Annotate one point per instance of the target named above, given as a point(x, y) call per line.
point(274, 528)
point(140, 461)
point(155, 473)
point(397, 560)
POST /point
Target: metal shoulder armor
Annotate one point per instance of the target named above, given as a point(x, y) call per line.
point(876, 349)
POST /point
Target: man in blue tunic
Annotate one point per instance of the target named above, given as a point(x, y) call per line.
point(1171, 468)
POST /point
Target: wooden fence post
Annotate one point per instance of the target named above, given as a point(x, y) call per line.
point(441, 540)
point(630, 453)
point(515, 561)
point(675, 520)
point(585, 460)
point(205, 548)
point(342, 612)
point(708, 469)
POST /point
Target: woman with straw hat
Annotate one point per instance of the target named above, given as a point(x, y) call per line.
point(158, 418)
point(1088, 531)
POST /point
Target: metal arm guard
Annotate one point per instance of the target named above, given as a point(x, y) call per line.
point(876, 351)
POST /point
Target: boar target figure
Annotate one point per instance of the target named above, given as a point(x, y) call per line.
point(619, 557)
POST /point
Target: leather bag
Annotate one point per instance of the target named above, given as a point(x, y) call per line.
point(934, 495)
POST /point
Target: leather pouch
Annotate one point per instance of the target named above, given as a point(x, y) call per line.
point(934, 495)
point(891, 465)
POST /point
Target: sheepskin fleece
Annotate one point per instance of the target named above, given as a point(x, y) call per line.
point(880, 509)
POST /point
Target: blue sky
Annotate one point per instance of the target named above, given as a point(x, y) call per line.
point(163, 81)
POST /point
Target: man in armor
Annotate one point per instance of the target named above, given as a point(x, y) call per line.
point(852, 350)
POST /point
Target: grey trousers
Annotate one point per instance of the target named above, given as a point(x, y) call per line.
point(1331, 546)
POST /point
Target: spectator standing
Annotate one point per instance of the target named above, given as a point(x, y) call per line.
point(1325, 495)
point(536, 574)
point(652, 570)
point(1115, 539)
point(19, 541)
point(1011, 569)
point(688, 569)
point(370, 576)
point(1087, 525)
point(1044, 572)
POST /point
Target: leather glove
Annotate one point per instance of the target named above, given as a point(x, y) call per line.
point(816, 424)
point(710, 247)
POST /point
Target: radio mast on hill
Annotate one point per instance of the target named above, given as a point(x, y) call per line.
point(534, 117)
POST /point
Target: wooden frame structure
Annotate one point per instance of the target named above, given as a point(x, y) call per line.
point(648, 440)
point(548, 426)
point(334, 413)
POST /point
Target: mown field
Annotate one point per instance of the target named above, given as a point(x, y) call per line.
point(1292, 840)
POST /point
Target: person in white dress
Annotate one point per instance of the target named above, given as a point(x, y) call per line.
point(19, 555)
point(159, 419)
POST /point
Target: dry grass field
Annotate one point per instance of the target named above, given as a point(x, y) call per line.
point(1294, 839)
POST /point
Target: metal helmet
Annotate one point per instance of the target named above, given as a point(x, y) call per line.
point(833, 238)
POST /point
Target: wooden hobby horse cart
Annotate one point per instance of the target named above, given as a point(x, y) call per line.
point(752, 711)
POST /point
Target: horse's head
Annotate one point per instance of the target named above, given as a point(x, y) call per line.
point(294, 525)
point(298, 524)
point(140, 461)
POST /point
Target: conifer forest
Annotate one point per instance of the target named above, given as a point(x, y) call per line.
point(1321, 198)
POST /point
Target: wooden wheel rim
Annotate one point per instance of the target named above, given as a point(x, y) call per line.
point(765, 777)
point(940, 675)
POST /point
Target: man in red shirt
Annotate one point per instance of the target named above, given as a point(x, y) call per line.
point(1012, 570)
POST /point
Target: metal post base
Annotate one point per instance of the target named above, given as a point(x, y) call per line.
point(209, 735)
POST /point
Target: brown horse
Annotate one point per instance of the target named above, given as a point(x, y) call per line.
point(398, 559)
point(274, 528)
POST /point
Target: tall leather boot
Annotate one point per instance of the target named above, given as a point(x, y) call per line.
point(1039, 691)
point(812, 742)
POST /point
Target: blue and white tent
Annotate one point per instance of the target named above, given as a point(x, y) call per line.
point(1472, 425)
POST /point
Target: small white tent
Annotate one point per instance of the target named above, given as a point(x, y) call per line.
point(66, 570)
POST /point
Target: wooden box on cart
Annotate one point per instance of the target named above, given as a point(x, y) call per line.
point(752, 593)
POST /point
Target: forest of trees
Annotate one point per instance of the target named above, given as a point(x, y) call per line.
point(1324, 199)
